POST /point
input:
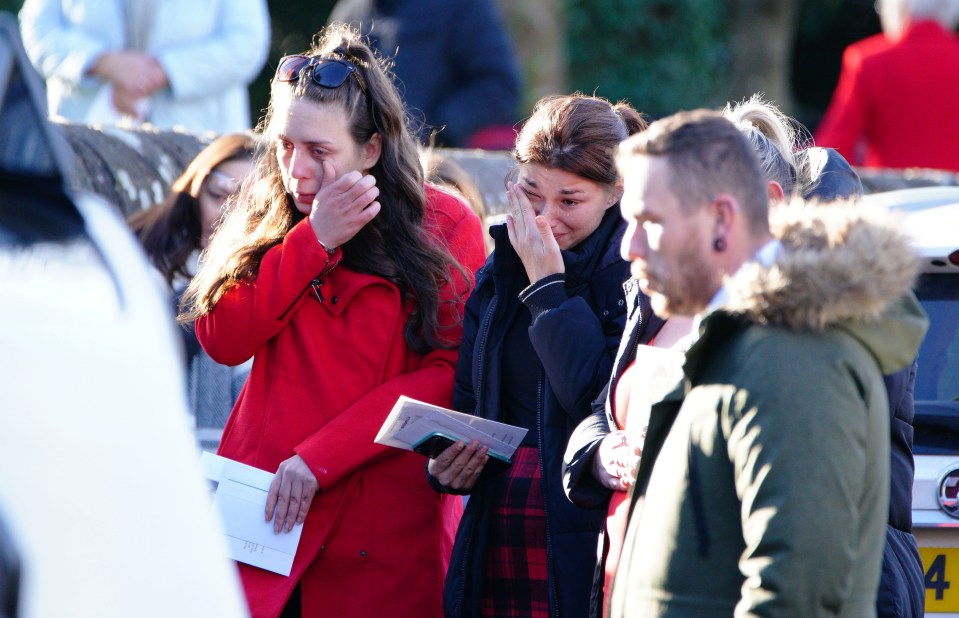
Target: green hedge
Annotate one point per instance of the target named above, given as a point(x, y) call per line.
point(660, 55)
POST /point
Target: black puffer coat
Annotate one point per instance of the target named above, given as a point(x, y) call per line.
point(902, 588)
point(575, 332)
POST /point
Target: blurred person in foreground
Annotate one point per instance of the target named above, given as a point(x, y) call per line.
point(894, 105)
point(173, 233)
point(454, 64)
point(343, 275)
point(170, 63)
point(763, 484)
point(540, 333)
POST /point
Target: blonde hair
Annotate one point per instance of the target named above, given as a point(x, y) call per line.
point(773, 135)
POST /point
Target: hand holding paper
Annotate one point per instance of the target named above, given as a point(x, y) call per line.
point(291, 493)
point(240, 496)
point(460, 465)
point(414, 425)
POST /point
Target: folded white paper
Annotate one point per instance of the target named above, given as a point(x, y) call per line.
point(410, 422)
point(240, 493)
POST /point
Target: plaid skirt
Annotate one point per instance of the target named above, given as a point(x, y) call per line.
point(514, 583)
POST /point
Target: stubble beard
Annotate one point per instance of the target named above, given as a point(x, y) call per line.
point(685, 290)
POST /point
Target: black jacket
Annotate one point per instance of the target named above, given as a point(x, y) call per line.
point(902, 588)
point(580, 485)
point(454, 61)
point(575, 331)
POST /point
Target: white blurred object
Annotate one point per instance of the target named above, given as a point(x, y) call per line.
point(100, 481)
point(102, 110)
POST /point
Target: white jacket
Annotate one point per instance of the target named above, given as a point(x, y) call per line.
point(210, 49)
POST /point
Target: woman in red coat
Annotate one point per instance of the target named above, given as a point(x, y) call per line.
point(898, 91)
point(344, 279)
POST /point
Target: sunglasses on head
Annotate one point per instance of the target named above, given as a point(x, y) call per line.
point(326, 72)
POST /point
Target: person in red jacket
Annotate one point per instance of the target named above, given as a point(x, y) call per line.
point(898, 91)
point(344, 276)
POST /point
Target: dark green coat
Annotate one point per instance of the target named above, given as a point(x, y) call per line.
point(763, 485)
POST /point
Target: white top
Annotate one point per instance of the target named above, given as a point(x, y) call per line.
point(210, 50)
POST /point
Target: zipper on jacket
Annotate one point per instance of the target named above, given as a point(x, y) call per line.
point(550, 575)
point(315, 285)
point(293, 304)
point(478, 351)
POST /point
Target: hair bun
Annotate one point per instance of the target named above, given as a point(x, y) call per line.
point(633, 119)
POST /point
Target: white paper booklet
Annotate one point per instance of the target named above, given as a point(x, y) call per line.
point(411, 424)
point(240, 493)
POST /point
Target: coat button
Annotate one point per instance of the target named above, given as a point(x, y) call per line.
point(363, 553)
point(335, 299)
point(621, 302)
point(605, 313)
point(322, 547)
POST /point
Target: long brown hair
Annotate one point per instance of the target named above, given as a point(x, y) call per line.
point(171, 230)
point(393, 245)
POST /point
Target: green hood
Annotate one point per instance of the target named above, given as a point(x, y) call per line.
point(843, 265)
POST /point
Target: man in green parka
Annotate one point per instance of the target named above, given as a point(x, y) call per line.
point(763, 484)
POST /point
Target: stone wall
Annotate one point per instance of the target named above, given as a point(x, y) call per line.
point(134, 167)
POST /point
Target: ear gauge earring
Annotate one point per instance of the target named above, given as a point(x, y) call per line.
point(719, 244)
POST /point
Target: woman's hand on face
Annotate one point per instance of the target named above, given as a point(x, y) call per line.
point(531, 237)
point(343, 205)
point(459, 465)
point(615, 461)
point(291, 494)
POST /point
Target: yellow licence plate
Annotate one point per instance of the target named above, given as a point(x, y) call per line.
point(941, 565)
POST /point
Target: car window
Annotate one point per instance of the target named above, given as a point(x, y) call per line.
point(937, 377)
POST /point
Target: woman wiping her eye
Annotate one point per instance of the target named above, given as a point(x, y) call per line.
point(343, 276)
point(540, 333)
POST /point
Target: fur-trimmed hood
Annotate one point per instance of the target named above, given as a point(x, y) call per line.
point(841, 265)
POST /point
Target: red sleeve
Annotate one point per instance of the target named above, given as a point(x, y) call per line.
point(843, 126)
point(346, 442)
point(250, 314)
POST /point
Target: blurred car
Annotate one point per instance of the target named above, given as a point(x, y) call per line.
point(102, 498)
point(931, 217)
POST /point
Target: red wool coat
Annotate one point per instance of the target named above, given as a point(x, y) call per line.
point(325, 374)
point(898, 100)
